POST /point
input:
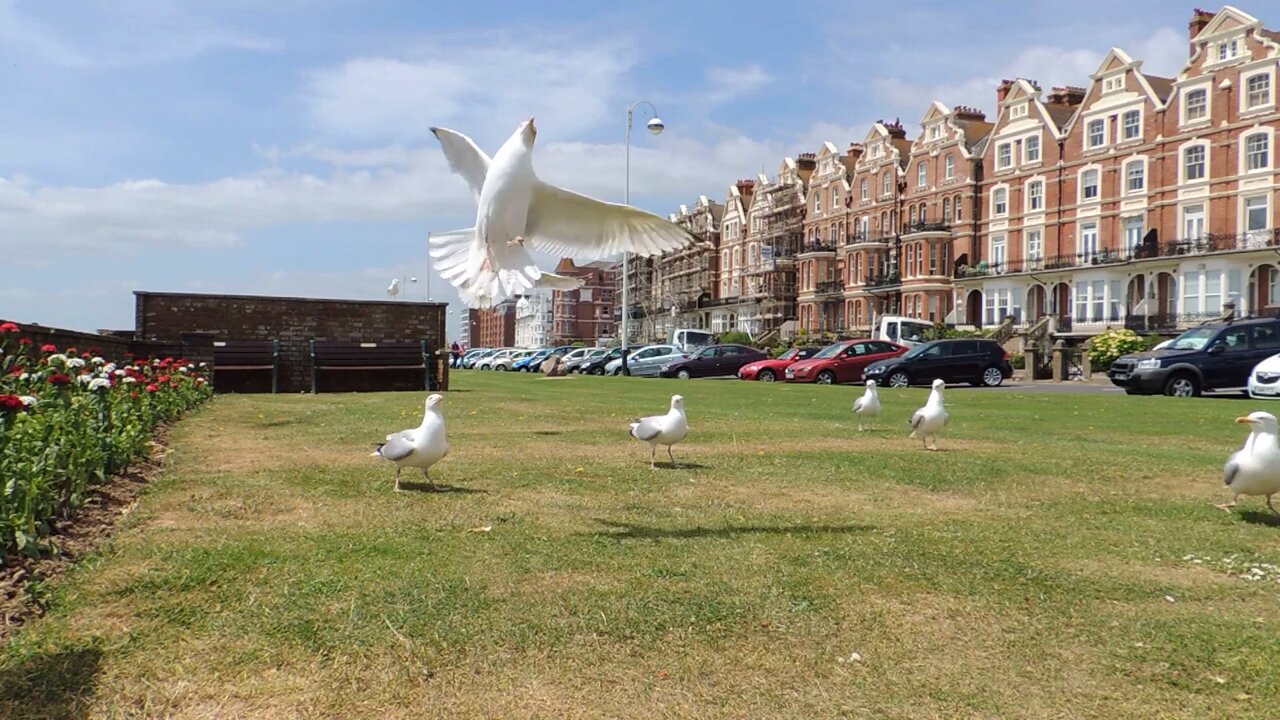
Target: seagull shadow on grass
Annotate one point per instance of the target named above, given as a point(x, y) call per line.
point(1255, 517)
point(56, 685)
point(631, 531)
point(682, 465)
point(423, 487)
point(548, 432)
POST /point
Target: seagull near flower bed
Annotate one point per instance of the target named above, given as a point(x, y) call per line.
point(420, 447)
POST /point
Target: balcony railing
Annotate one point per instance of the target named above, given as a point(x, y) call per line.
point(829, 287)
point(861, 239)
point(927, 225)
point(883, 280)
point(815, 247)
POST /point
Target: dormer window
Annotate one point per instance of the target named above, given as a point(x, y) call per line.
point(933, 132)
point(1113, 83)
point(1018, 111)
point(1228, 49)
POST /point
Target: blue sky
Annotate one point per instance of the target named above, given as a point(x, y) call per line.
point(283, 147)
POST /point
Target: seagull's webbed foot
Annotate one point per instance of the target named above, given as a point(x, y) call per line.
point(1226, 507)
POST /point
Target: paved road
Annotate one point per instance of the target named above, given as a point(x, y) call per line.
point(1065, 387)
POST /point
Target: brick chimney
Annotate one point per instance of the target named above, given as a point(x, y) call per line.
point(964, 112)
point(854, 151)
point(1002, 91)
point(1069, 95)
point(1199, 21)
point(746, 187)
point(895, 128)
point(806, 162)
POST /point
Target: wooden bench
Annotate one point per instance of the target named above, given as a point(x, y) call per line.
point(364, 356)
point(248, 355)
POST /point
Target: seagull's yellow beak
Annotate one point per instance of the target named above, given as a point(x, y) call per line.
point(1244, 420)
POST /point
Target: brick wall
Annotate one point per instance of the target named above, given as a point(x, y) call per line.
point(496, 326)
point(295, 322)
point(116, 345)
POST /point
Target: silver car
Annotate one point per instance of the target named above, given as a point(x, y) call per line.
point(580, 356)
point(645, 362)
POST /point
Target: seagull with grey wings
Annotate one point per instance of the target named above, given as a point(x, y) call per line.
point(666, 430)
point(419, 447)
point(929, 420)
point(515, 210)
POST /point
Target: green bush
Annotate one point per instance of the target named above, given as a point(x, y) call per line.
point(735, 337)
point(1104, 348)
point(68, 421)
point(1018, 361)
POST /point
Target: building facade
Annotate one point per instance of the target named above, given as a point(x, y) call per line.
point(586, 314)
point(685, 280)
point(819, 276)
point(495, 327)
point(534, 320)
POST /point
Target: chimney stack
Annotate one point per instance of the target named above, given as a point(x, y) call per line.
point(964, 112)
point(854, 151)
point(806, 162)
point(1199, 20)
point(1069, 95)
point(745, 187)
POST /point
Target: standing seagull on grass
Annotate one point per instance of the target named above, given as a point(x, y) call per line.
point(420, 447)
point(929, 420)
point(489, 262)
point(1255, 468)
point(867, 407)
point(666, 430)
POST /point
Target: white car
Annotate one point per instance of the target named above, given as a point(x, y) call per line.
point(504, 362)
point(1264, 379)
point(486, 363)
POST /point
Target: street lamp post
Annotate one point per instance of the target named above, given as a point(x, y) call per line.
point(655, 127)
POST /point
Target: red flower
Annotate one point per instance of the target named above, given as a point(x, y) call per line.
point(11, 403)
point(134, 394)
point(152, 388)
point(24, 341)
point(140, 362)
point(8, 327)
point(17, 371)
point(163, 378)
point(49, 348)
point(59, 379)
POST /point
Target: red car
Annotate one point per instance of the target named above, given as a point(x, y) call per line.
point(842, 362)
point(770, 370)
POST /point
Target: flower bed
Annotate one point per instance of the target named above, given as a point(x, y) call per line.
point(69, 419)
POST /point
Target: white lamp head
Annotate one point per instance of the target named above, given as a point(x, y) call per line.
point(655, 126)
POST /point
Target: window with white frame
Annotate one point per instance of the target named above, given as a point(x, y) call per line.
point(835, 198)
point(1095, 133)
point(1193, 222)
point(1018, 111)
point(1193, 164)
point(1000, 201)
point(1088, 241)
point(997, 254)
point(1034, 252)
point(1228, 49)
point(957, 208)
point(949, 166)
point(1195, 105)
point(1090, 300)
point(1131, 125)
point(1031, 149)
point(1257, 212)
point(1257, 91)
point(1113, 83)
point(865, 227)
point(946, 209)
point(863, 189)
point(886, 183)
point(1132, 233)
point(933, 132)
point(998, 305)
point(817, 204)
point(1257, 152)
point(1135, 176)
point(1202, 292)
point(922, 174)
point(1089, 185)
point(1004, 156)
point(1035, 195)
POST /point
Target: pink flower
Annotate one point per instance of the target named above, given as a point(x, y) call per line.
point(49, 348)
point(8, 327)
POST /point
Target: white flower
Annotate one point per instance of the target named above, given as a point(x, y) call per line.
point(84, 379)
point(24, 376)
point(111, 367)
point(204, 365)
point(57, 357)
point(98, 361)
point(118, 373)
point(29, 401)
point(182, 369)
point(99, 383)
point(129, 381)
point(75, 363)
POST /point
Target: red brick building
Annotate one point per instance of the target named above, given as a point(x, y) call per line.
point(587, 314)
point(494, 327)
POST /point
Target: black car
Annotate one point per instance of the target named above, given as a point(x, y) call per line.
point(1211, 356)
point(713, 361)
point(973, 360)
point(596, 366)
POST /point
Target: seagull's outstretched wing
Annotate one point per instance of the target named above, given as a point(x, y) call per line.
point(646, 428)
point(465, 158)
point(397, 447)
point(564, 223)
point(560, 282)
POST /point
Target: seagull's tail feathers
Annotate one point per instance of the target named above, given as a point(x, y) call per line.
point(483, 277)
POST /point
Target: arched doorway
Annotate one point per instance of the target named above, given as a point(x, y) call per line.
point(1134, 294)
point(1263, 297)
point(1166, 295)
point(1060, 300)
point(1035, 303)
point(973, 308)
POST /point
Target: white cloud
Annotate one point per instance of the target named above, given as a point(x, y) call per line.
point(483, 87)
point(123, 34)
point(728, 83)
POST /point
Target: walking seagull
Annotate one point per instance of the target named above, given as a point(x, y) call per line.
point(867, 407)
point(666, 430)
point(420, 447)
point(489, 262)
point(929, 420)
point(1255, 468)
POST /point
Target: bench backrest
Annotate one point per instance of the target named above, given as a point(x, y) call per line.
point(337, 353)
point(245, 352)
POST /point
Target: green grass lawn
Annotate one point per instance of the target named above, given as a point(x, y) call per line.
point(1059, 558)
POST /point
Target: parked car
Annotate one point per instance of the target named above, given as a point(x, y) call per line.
point(1212, 356)
point(469, 357)
point(646, 361)
point(523, 363)
point(774, 368)
point(508, 362)
point(978, 361)
point(578, 356)
point(469, 362)
point(595, 366)
point(843, 362)
point(486, 362)
point(1264, 379)
point(712, 361)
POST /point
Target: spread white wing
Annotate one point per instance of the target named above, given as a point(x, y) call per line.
point(465, 158)
point(564, 223)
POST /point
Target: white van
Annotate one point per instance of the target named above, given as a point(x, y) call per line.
point(905, 331)
point(687, 339)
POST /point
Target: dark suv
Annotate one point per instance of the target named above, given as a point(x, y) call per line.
point(973, 360)
point(1212, 356)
